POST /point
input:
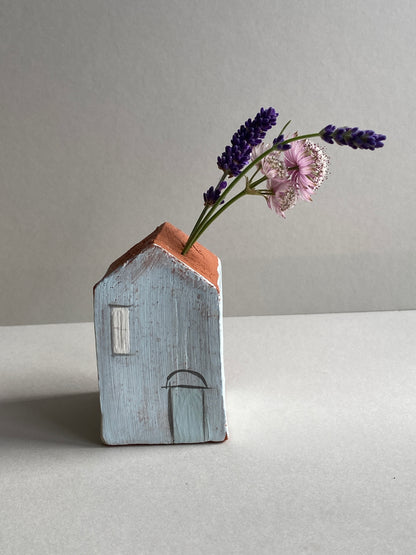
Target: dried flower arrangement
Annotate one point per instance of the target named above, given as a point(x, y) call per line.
point(291, 169)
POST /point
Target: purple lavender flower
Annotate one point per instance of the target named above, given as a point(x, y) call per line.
point(277, 143)
point(353, 137)
point(236, 156)
point(212, 195)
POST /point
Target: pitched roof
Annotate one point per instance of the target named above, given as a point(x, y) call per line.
point(171, 239)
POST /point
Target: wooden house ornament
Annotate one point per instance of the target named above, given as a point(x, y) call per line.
point(158, 330)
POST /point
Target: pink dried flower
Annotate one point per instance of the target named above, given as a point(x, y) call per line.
point(257, 151)
point(296, 173)
point(272, 165)
point(284, 195)
point(307, 167)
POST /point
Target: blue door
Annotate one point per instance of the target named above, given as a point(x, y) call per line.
point(186, 405)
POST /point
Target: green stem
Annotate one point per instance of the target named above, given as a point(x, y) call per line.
point(254, 174)
point(206, 217)
point(284, 127)
point(209, 221)
point(300, 138)
point(201, 217)
point(253, 185)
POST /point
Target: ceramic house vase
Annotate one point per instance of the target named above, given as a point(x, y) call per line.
point(158, 331)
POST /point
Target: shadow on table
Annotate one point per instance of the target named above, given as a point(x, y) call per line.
point(67, 419)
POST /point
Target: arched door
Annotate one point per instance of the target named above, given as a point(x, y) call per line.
point(186, 405)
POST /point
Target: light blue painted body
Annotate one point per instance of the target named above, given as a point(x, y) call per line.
point(175, 324)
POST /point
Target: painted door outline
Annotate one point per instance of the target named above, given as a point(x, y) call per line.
point(186, 408)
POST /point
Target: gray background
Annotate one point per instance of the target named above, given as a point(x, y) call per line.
point(112, 115)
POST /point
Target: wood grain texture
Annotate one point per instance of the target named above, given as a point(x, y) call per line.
point(170, 387)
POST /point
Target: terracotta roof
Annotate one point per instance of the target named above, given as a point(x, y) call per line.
point(167, 236)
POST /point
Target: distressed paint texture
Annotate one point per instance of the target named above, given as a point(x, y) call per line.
point(170, 387)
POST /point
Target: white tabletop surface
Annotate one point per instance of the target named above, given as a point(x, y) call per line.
point(321, 456)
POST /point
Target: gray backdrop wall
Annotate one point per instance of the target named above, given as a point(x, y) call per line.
point(112, 115)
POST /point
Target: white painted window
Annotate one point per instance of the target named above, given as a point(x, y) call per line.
point(120, 330)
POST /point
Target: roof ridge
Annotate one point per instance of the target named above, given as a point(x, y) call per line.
point(172, 240)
